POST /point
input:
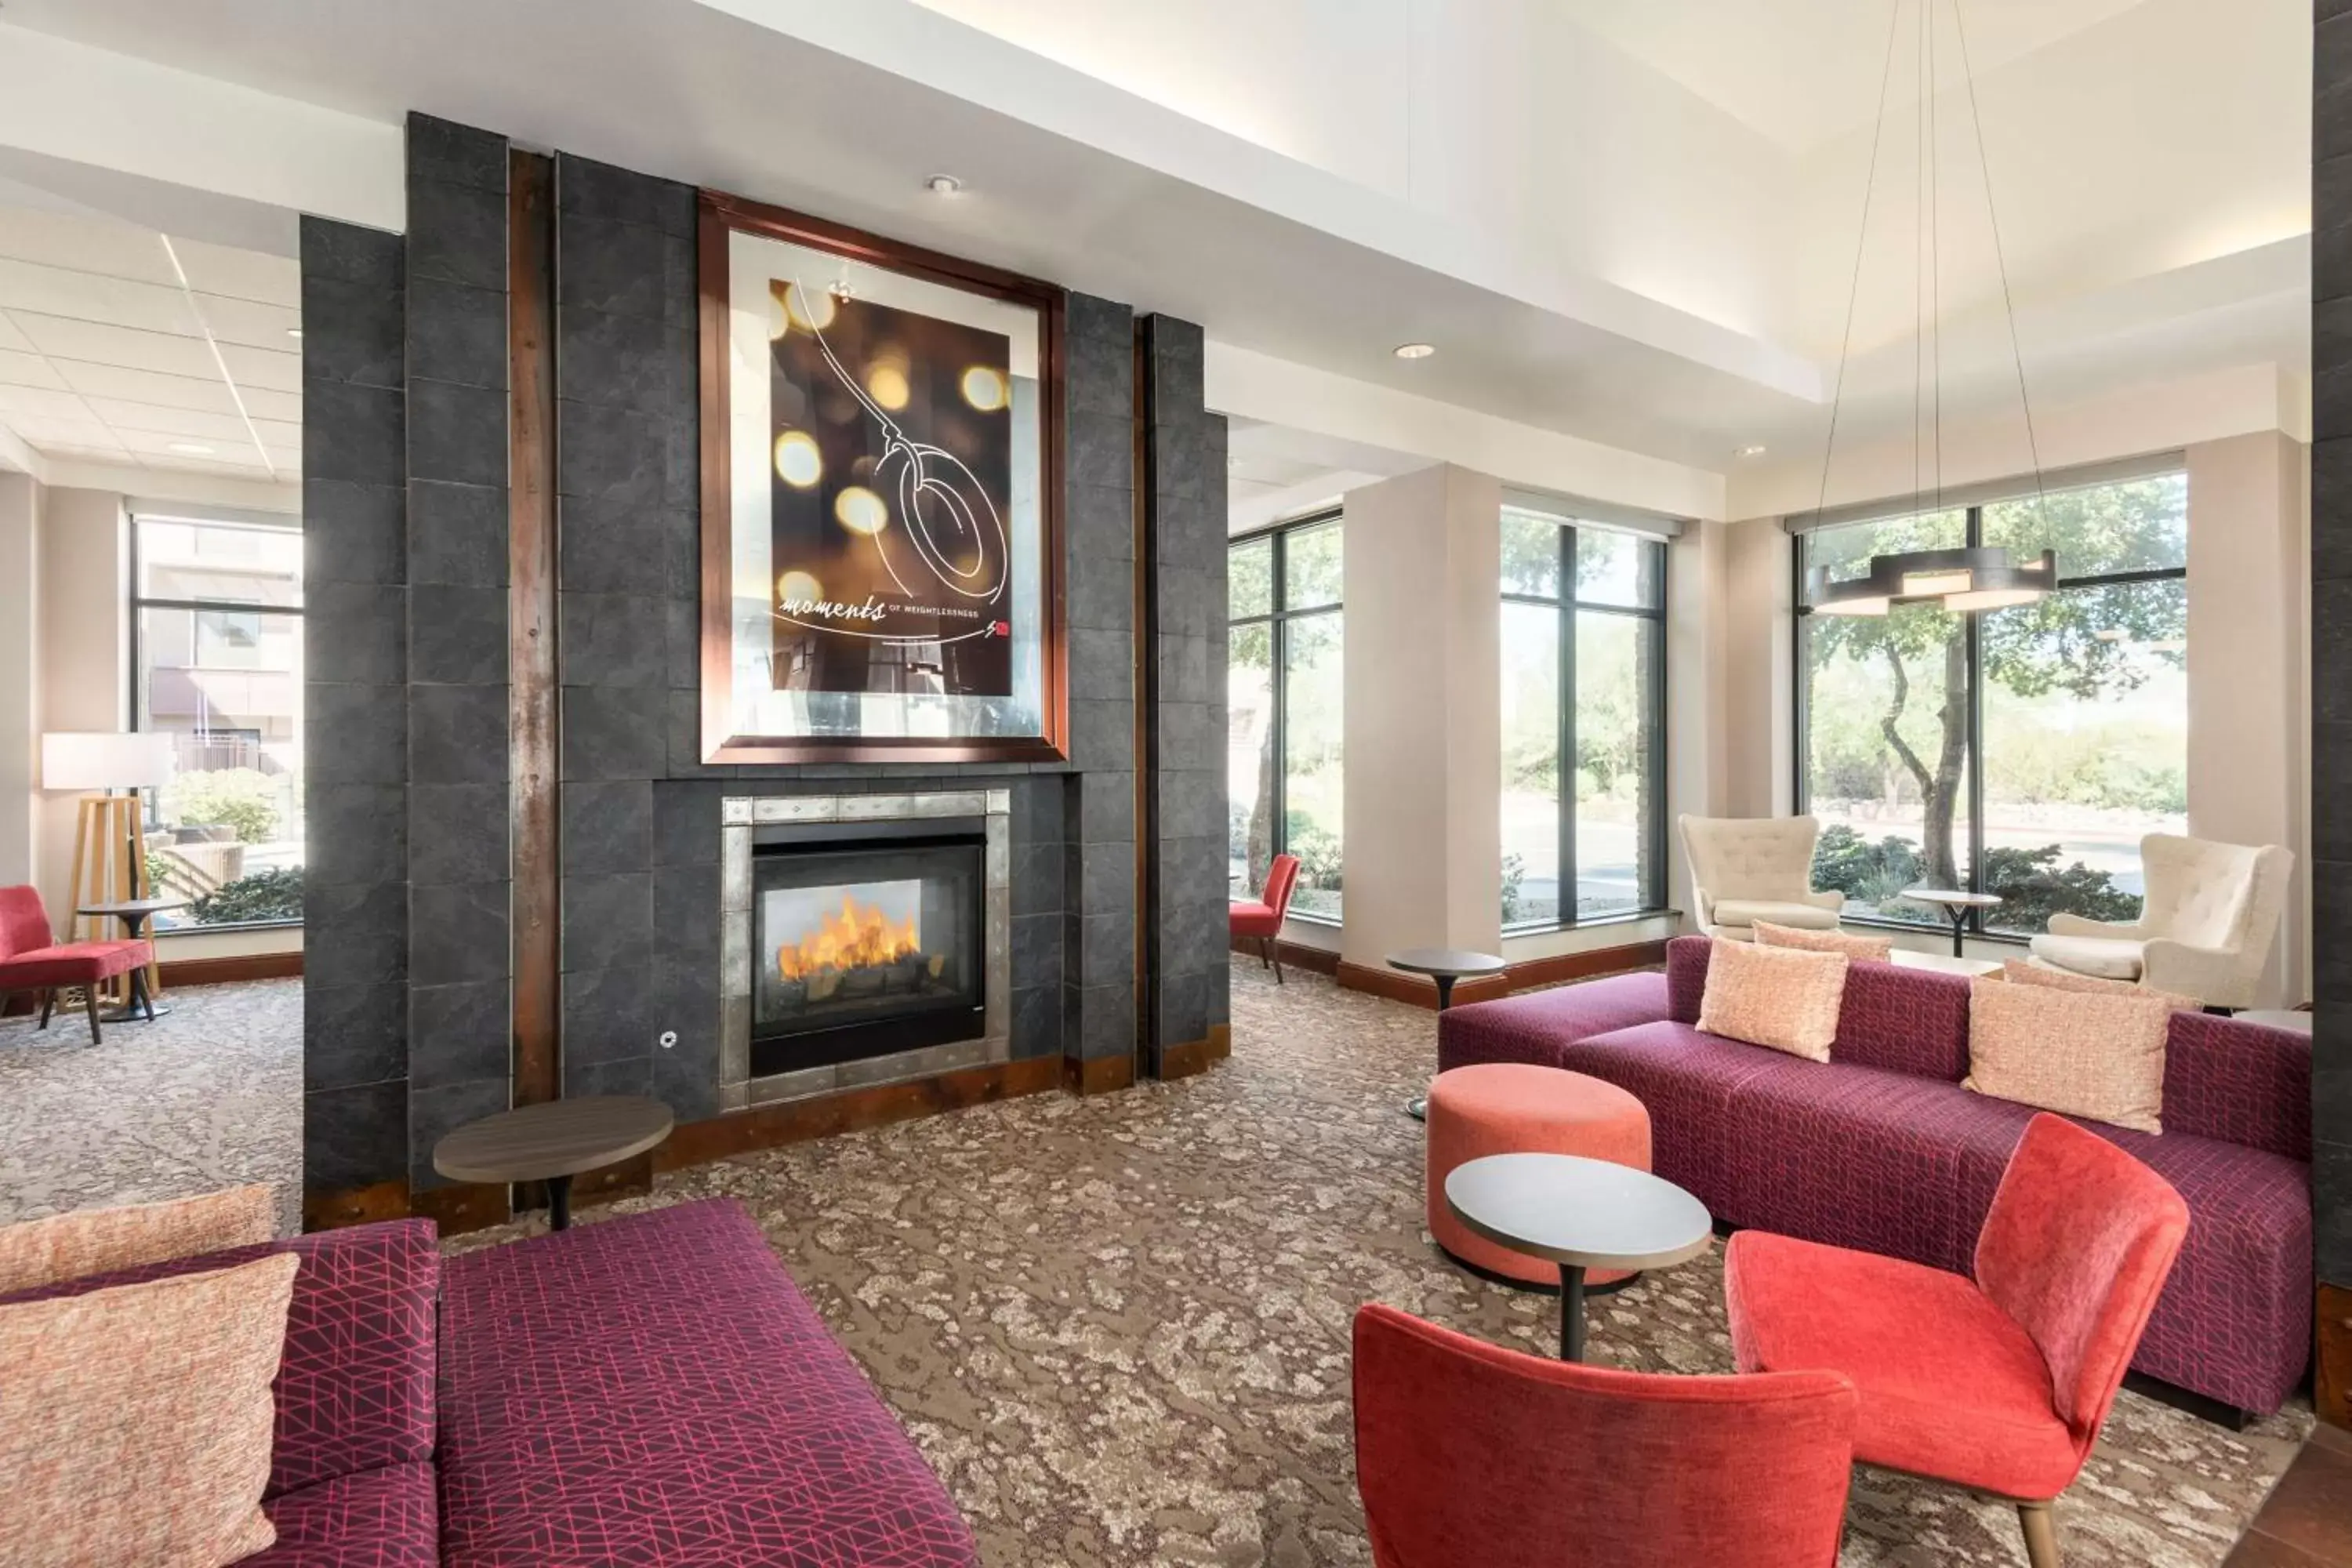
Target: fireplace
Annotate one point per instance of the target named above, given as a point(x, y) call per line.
point(866, 940)
point(863, 940)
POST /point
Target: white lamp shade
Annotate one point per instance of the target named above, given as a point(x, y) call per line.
point(102, 759)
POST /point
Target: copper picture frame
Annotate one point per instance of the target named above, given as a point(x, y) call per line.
point(723, 741)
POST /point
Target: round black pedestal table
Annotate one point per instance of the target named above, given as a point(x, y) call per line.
point(138, 1006)
point(1446, 965)
point(1579, 1213)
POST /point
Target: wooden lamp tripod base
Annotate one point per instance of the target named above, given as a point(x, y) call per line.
point(110, 867)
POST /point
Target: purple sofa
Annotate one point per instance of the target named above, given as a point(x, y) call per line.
point(649, 1390)
point(1880, 1148)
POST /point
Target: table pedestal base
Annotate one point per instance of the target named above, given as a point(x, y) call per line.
point(1571, 1311)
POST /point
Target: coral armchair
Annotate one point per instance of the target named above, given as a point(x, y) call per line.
point(2207, 922)
point(31, 961)
point(1999, 1382)
point(1263, 919)
point(1466, 1452)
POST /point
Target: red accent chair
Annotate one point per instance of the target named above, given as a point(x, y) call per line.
point(31, 961)
point(1263, 919)
point(1998, 1384)
point(1466, 1452)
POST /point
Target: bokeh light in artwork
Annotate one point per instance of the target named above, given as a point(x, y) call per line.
point(984, 388)
point(799, 587)
point(803, 308)
point(798, 462)
point(887, 384)
point(860, 511)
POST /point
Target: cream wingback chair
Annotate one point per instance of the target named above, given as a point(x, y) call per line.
point(1750, 869)
point(2205, 927)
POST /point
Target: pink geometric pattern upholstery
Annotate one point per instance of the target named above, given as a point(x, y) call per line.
point(654, 1389)
point(2238, 1082)
point(1534, 1027)
point(355, 1386)
point(1905, 1020)
point(376, 1519)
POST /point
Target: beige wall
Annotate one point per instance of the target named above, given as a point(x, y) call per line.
point(1423, 848)
point(20, 674)
point(85, 654)
point(2249, 702)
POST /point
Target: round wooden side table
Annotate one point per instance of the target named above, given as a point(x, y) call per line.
point(552, 1144)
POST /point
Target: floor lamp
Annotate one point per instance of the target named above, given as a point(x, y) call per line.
point(110, 863)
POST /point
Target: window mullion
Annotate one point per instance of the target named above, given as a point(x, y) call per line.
point(1564, 632)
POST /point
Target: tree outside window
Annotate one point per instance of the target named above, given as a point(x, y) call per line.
point(1285, 710)
point(2023, 752)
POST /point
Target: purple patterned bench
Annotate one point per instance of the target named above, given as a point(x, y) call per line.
point(654, 1389)
point(1880, 1148)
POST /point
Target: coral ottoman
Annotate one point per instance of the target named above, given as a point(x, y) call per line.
point(1517, 1108)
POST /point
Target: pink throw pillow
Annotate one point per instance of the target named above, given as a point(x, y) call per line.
point(1864, 949)
point(1784, 998)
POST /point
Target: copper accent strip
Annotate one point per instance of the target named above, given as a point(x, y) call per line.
point(532, 713)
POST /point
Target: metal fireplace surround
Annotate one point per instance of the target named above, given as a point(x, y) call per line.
point(741, 819)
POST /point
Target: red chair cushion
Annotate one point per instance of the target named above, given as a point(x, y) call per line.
point(1951, 1385)
point(71, 963)
point(1254, 920)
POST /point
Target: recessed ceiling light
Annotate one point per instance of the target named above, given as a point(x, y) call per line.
point(192, 448)
point(1416, 351)
point(293, 332)
point(1755, 451)
point(943, 185)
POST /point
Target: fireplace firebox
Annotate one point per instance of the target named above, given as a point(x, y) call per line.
point(866, 941)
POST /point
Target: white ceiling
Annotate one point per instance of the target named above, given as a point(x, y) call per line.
point(125, 345)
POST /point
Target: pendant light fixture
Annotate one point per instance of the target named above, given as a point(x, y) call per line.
point(1969, 580)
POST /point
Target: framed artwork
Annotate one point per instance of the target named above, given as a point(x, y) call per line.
point(881, 499)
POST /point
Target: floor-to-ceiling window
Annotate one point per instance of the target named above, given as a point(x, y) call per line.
point(1583, 722)
point(2021, 752)
point(216, 614)
point(1285, 710)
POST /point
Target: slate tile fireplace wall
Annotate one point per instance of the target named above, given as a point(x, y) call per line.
point(408, 1010)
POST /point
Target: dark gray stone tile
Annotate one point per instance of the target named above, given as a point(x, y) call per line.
point(1107, 878)
point(458, 535)
point(1101, 522)
point(1101, 451)
point(1193, 804)
point(607, 919)
point(684, 750)
point(2331, 259)
point(356, 833)
point(457, 932)
point(1107, 948)
point(686, 913)
point(2331, 650)
point(625, 457)
point(1038, 951)
point(685, 824)
point(457, 432)
point(2331, 941)
point(1219, 979)
point(614, 733)
point(352, 534)
point(1106, 1014)
point(355, 734)
point(1184, 669)
point(1102, 734)
point(630, 1075)
point(682, 644)
point(349, 252)
point(458, 833)
point(1189, 531)
point(1038, 1021)
point(354, 1137)
point(1100, 370)
point(1176, 347)
point(615, 641)
point(1102, 663)
point(434, 1113)
point(689, 1090)
point(2331, 510)
point(686, 1009)
point(625, 268)
point(608, 545)
point(457, 734)
point(457, 636)
point(2331, 398)
point(1187, 741)
point(2331, 796)
point(643, 362)
point(1191, 601)
point(456, 334)
point(354, 933)
point(457, 233)
point(1036, 878)
point(2331, 1188)
point(457, 155)
point(1106, 809)
point(1039, 807)
point(353, 1034)
point(351, 331)
point(1101, 595)
point(461, 1032)
point(1180, 459)
point(592, 189)
point(608, 825)
point(1089, 316)
point(354, 633)
point(354, 433)
point(607, 1013)
point(1183, 1003)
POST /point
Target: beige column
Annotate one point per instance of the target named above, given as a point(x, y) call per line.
point(85, 653)
point(1423, 845)
point(20, 674)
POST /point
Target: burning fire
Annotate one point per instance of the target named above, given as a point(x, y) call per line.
point(854, 939)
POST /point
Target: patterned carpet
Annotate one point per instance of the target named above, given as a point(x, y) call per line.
point(208, 1096)
point(1118, 1328)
